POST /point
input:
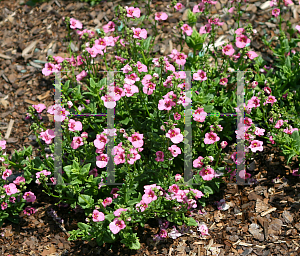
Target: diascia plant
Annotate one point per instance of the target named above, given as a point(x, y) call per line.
point(149, 98)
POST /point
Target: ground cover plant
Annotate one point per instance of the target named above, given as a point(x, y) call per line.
point(152, 93)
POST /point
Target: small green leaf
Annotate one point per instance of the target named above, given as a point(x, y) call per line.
point(191, 222)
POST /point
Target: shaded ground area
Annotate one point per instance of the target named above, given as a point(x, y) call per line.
point(263, 219)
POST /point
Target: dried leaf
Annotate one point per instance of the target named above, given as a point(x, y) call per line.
point(29, 48)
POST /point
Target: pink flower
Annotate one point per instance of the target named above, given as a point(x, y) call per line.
point(58, 59)
point(75, 24)
point(256, 145)
point(136, 139)
point(180, 59)
point(198, 193)
point(244, 175)
point(133, 156)
point(77, 142)
point(175, 135)
point(207, 173)
point(98, 216)
point(197, 162)
point(199, 115)
point(178, 6)
point(205, 29)
point(298, 28)
point(2, 144)
point(175, 150)
point(45, 172)
point(270, 99)
point(259, 131)
point(3, 206)
point(223, 81)
point(228, 50)
point(107, 201)
point(161, 16)
point(240, 31)
point(109, 101)
point(110, 26)
point(267, 90)
point(117, 212)
point(12, 199)
point(47, 136)
point(133, 12)
point(211, 138)
point(49, 69)
point(200, 75)
point(187, 29)
point(100, 141)
point(160, 156)
point(11, 189)
point(149, 196)
point(53, 180)
point(276, 12)
point(29, 197)
point(29, 211)
point(199, 8)
point(18, 180)
point(139, 33)
point(141, 206)
point(242, 41)
point(177, 177)
point(231, 10)
point(6, 174)
point(177, 116)
point(223, 144)
point(279, 123)
point(116, 226)
point(74, 125)
point(295, 172)
point(102, 160)
point(81, 75)
point(252, 55)
point(203, 229)
point(39, 108)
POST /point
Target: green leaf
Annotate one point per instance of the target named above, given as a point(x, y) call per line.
point(109, 217)
point(85, 201)
point(67, 170)
point(92, 83)
point(134, 201)
point(132, 242)
point(83, 226)
point(109, 237)
point(125, 121)
point(208, 190)
point(85, 169)
point(295, 136)
point(146, 44)
point(191, 222)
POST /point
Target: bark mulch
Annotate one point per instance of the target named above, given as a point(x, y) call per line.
point(262, 219)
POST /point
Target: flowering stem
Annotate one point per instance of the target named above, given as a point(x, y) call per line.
point(105, 61)
point(43, 150)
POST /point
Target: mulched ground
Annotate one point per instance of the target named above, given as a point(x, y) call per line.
point(263, 219)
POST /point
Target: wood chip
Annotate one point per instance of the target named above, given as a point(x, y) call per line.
point(31, 102)
point(29, 48)
point(5, 57)
point(42, 97)
point(4, 102)
point(268, 211)
point(10, 125)
point(265, 5)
